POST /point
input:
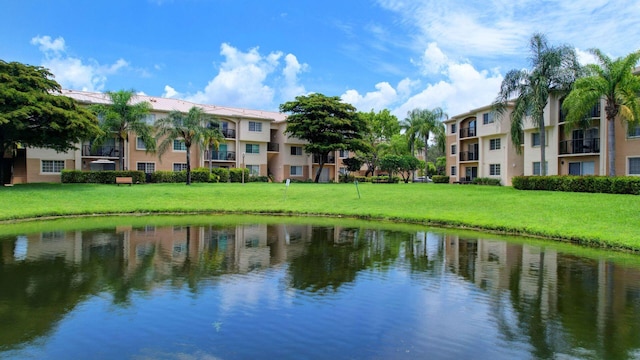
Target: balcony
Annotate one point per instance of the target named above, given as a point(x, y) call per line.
point(327, 159)
point(222, 156)
point(228, 133)
point(469, 156)
point(580, 146)
point(467, 132)
point(273, 147)
point(100, 151)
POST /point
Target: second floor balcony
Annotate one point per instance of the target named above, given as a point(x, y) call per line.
point(101, 151)
point(228, 133)
point(221, 156)
point(327, 159)
point(579, 146)
point(467, 132)
point(274, 147)
point(469, 156)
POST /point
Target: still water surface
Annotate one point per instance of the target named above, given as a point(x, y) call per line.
point(278, 290)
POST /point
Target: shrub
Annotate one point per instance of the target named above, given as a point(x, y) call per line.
point(440, 179)
point(199, 175)
point(258, 179)
point(100, 177)
point(590, 184)
point(298, 180)
point(221, 173)
point(235, 175)
point(486, 181)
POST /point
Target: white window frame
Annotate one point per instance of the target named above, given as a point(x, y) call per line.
point(494, 169)
point(146, 166)
point(140, 144)
point(454, 128)
point(249, 148)
point(635, 158)
point(179, 141)
point(51, 167)
point(495, 144)
point(255, 126)
point(254, 170)
point(454, 149)
point(487, 118)
point(343, 154)
point(537, 163)
point(293, 172)
point(296, 150)
point(454, 171)
point(182, 167)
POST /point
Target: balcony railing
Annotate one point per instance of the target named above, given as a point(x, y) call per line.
point(580, 146)
point(222, 156)
point(327, 159)
point(469, 156)
point(229, 133)
point(275, 147)
point(105, 151)
point(467, 132)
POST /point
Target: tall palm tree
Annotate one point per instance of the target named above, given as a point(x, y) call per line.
point(420, 123)
point(553, 71)
point(212, 139)
point(614, 80)
point(123, 116)
point(192, 128)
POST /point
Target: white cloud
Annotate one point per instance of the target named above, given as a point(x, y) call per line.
point(250, 79)
point(433, 60)
point(170, 92)
point(585, 57)
point(71, 72)
point(376, 100)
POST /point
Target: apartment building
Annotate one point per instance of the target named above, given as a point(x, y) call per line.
point(479, 145)
point(253, 139)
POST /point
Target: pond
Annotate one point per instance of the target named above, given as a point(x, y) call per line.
point(222, 287)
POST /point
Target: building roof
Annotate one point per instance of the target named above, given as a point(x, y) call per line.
point(167, 104)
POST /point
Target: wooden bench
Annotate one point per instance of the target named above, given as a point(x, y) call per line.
point(124, 180)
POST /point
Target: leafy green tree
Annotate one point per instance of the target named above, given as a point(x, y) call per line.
point(553, 71)
point(326, 123)
point(33, 113)
point(441, 165)
point(405, 165)
point(614, 80)
point(121, 117)
point(382, 126)
point(421, 123)
point(194, 128)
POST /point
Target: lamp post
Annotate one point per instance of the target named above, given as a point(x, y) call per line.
point(242, 168)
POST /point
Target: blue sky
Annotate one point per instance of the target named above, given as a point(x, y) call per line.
point(375, 54)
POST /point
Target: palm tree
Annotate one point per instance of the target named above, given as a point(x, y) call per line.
point(421, 123)
point(192, 128)
point(122, 117)
point(212, 139)
point(614, 80)
point(553, 71)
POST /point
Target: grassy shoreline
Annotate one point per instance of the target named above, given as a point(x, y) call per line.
point(600, 220)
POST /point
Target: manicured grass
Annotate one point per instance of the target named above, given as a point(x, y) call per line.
point(595, 219)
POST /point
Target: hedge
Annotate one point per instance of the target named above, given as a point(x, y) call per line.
point(486, 181)
point(101, 177)
point(440, 179)
point(569, 183)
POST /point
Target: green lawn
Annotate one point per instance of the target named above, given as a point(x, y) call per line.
point(596, 219)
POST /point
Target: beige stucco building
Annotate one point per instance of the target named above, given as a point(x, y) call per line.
point(253, 139)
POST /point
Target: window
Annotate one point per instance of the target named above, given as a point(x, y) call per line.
point(494, 144)
point(149, 119)
point(254, 170)
point(52, 166)
point(296, 171)
point(179, 166)
point(146, 167)
point(634, 131)
point(494, 169)
point(252, 148)
point(453, 171)
point(454, 148)
point(633, 166)
point(140, 145)
point(582, 168)
point(487, 118)
point(536, 167)
point(344, 154)
point(296, 150)
point(535, 139)
point(255, 126)
point(178, 145)
point(453, 128)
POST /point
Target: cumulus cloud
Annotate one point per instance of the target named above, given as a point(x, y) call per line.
point(170, 92)
point(461, 88)
point(72, 72)
point(250, 79)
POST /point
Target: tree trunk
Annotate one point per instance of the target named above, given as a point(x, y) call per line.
point(321, 163)
point(426, 148)
point(611, 111)
point(210, 160)
point(543, 145)
point(189, 165)
point(121, 153)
